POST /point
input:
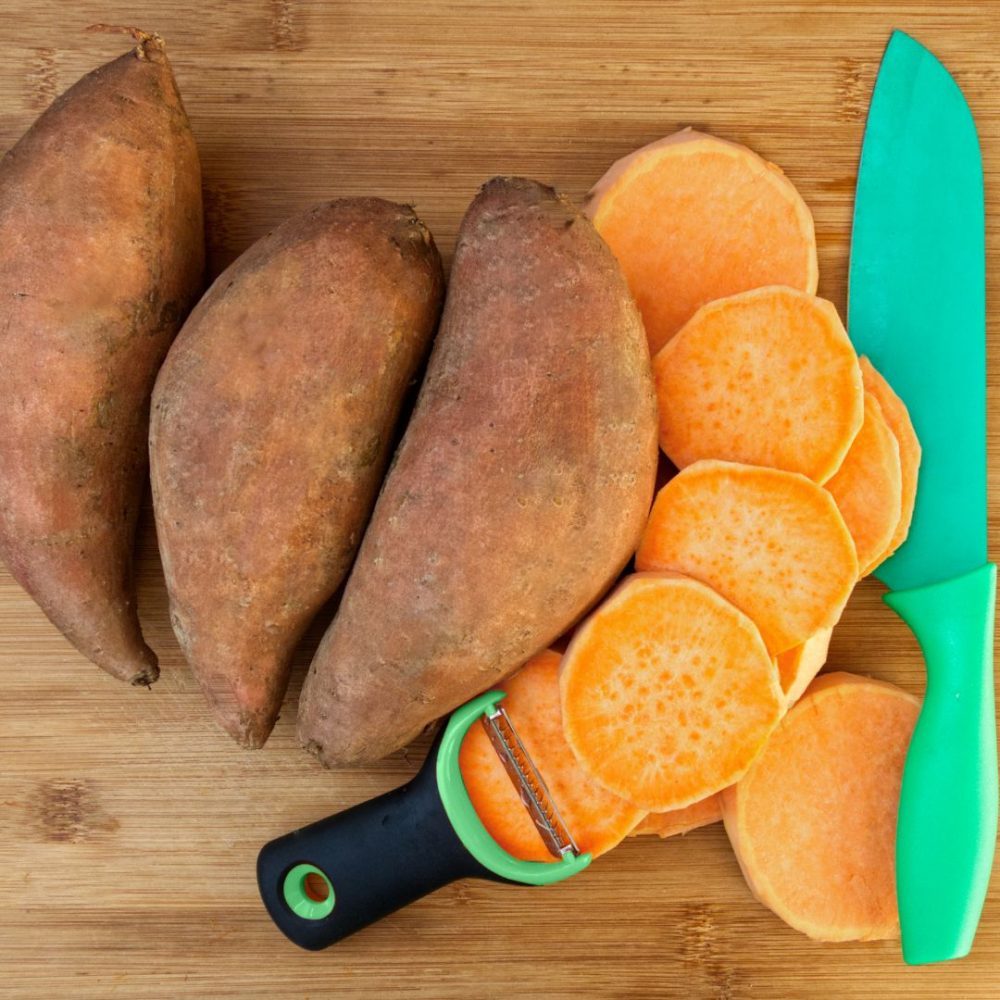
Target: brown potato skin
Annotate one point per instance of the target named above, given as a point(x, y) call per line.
point(101, 256)
point(519, 490)
point(272, 424)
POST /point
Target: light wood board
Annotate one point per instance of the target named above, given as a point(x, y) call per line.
point(128, 824)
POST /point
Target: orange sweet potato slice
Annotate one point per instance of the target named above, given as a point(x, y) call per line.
point(799, 665)
point(692, 218)
point(768, 377)
point(771, 542)
point(813, 822)
point(675, 821)
point(868, 488)
point(597, 819)
point(898, 418)
point(668, 692)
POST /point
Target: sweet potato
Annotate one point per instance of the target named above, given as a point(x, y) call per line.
point(668, 692)
point(674, 821)
point(897, 417)
point(101, 256)
point(518, 492)
point(597, 819)
point(692, 218)
point(813, 822)
point(771, 542)
point(799, 665)
point(272, 421)
point(868, 488)
point(768, 377)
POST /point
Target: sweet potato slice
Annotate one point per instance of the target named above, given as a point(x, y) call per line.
point(868, 488)
point(694, 218)
point(675, 821)
point(813, 822)
point(799, 665)
point(668, 692)
point(771, 542)
point(896, 415)
point(768, 377)
point(597, 819)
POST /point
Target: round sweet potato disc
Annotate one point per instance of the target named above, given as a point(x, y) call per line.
point(768, 377)
point(668, 692)
point(771, 542)
point(813, 822)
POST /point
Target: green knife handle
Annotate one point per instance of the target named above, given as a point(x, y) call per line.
point(947, 829)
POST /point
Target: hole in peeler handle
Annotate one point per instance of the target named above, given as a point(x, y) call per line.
point(316, 887)
point(308, 892)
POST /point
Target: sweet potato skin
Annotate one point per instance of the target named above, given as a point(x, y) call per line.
point(272, 421)
point(101, 256)
point(518, 492)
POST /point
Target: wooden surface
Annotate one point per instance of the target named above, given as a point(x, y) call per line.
point(128, 824)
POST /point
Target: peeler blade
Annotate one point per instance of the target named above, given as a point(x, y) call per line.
point(530, 786)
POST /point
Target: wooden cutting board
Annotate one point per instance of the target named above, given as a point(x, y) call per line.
point(128, 824)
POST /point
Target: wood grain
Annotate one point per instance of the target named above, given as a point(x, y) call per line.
point(128, 825)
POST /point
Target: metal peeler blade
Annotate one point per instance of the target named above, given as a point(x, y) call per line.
point(530, 786)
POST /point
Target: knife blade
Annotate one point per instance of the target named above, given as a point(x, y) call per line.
point(916, 307)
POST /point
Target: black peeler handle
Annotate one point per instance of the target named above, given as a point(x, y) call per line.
point(329, 879)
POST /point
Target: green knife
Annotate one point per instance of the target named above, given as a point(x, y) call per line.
point(917, 308)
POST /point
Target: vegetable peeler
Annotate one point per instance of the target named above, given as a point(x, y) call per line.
point(332, 878)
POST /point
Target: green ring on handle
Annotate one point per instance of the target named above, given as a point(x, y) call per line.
point(464, 818)
point(299, 902)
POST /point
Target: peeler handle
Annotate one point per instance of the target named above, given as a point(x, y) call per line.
point(330, 879)
point(947, 827)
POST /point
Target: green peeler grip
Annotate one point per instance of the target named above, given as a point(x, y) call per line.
point(947, 829)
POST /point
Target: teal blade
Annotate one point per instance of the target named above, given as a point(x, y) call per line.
point(917, 299)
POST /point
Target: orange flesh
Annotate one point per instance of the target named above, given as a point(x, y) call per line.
point(674, 821)
point(813, 822)
point(771, 542)
point(896, 415)
point(693, 218)
point(597, 819)
point(799, 665)
point(768, 377)
point(668, 692)
point(868, 488)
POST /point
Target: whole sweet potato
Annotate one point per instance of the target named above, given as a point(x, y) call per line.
point(519, 490)
point(101, 256)
point(273, 418)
